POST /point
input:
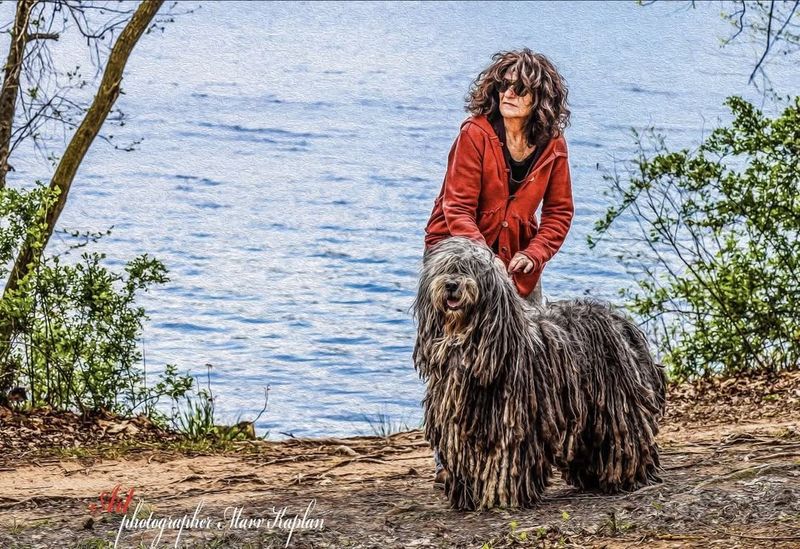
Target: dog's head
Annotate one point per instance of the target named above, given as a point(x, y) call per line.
point(465, 303)
point(454, 269)
point(460, 279)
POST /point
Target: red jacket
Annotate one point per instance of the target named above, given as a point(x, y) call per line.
point(474, 200)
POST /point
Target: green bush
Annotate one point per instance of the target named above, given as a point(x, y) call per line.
point(77, 327)
point(718, 247)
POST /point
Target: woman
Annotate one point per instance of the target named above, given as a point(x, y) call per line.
point(510, 157)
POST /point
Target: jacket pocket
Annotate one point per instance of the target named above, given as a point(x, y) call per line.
point(486, 219)
point(529, 229)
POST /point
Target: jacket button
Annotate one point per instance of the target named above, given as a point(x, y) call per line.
point(504, 249)
point(505, 223)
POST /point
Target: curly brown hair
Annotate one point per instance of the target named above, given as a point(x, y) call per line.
point(549, 112)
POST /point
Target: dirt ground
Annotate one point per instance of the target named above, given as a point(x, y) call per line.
point(730, 451)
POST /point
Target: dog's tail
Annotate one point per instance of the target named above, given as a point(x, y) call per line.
point(647, 366)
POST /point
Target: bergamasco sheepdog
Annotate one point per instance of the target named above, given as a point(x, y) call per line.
point(513, 389)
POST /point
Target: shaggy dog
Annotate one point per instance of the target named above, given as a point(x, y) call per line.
point(513, 389)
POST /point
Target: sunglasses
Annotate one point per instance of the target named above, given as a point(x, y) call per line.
point(516, 85)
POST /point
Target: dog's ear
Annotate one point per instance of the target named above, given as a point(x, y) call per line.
point(429, 329)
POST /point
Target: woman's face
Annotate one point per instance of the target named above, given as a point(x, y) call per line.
point(511, 104)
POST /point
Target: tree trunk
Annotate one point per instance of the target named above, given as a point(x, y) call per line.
point(71, 161)
point(8, 95)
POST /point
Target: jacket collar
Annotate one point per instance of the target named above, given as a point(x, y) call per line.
point(482, 122)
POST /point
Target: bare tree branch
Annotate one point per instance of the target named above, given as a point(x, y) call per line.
point(42, 36)
point(740, 26)
point(769, 41)
point(10, 90)
point(754, 21)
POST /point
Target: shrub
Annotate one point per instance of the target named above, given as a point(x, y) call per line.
point(718, 246)
point(77, 326)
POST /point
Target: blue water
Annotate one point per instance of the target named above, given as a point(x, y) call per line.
point(290, 159)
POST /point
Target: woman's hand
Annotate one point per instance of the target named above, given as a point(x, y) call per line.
point(520, 262)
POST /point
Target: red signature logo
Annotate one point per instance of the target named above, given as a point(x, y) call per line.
point(114, 501)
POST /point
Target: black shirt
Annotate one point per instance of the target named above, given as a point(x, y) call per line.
point(519, 170)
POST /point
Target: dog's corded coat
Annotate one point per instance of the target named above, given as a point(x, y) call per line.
point(514, 389)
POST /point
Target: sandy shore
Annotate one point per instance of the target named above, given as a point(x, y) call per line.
point(731, 479)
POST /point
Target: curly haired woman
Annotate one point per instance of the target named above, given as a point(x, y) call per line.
point(510, 157)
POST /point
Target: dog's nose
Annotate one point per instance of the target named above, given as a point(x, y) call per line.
point(451, 286)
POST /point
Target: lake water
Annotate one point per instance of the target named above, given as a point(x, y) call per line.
point(290, 159)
